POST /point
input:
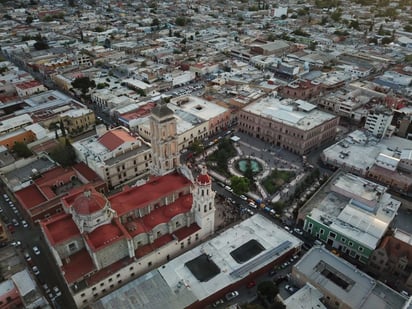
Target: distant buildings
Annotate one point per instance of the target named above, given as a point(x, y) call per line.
point(386, 161)
point(297, 126)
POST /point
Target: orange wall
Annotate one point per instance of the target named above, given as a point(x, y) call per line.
point(24, 137)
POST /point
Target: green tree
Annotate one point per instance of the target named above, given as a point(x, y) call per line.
point(83, 84)
point(29, 20)
point(155, 22)
point(21, 150)
point(196, 147)
point(336, 15)
point(181, 21)
point(240, 185)
point(64, 153)
point(41, 43)
point(268, 289)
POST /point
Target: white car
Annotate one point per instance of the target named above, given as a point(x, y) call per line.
point(36, 250)
point(36, 271)
point(243, 197)
point(57, 291)
point(24, 223)
point(16, 243)
point(253, 205)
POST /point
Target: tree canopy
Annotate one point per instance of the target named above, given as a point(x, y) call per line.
point(83, 84)
point(21, 150)
point(64, 153)
point(240, 185)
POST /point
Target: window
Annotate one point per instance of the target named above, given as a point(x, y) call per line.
point(94, 289)
point(310, 225)
point(149, 264)
point(321, 231)
point(101, 284)
point(360, 249)
point(72, 247)
point(332, 235)
point(118, 275)
point(350, 244)
point(110, 279)
point(83, 294)
point(343, 239)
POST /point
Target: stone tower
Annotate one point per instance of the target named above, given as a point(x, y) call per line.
point(204, 203)
point(165, 154)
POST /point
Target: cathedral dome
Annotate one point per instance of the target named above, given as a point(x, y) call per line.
point(88, 203)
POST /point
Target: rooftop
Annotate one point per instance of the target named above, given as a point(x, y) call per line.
point(60, 228)
point(156, 188)
point(344, 281)
point(198, 107)
point(296, 113)
point(355, 207)
point(175, 285)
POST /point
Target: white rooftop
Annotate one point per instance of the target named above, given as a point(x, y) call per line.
point(357, 208)
point(306, 297)
point(360, 150)
point(199, 107)
point(299, 113)
point(23, 281)
point(15, 122)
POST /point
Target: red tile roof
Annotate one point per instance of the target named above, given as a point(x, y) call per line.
point(86, 172)
point(115, 137)
point(79, 265)
point(185, 232)
point(165, 213)
point(105, 235)
point(60, 228)
point(28, 84)
point(30, 196)
point(139, 197)
point(89, 202)
point(140, 112)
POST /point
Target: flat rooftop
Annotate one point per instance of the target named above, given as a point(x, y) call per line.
point(198, 107)
point(360, 150)
point(353, 206)
point(339, 278)
point(297, 113)
point(177, 284)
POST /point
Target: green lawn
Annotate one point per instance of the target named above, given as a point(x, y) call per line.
point(276, 179)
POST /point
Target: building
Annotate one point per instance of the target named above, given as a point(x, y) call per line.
point(102, 242)
point(217, 117)
point(207, 272)
point(297, 126)
point(28, 88)
point(116, 155)
point(342, 284)
point(278, 48)
point(178, 77)
point(78, 121)
point(393, 260)
point(21, 291)
point(40, 195)
point(385, 160)
point(350, 214)
point(378, 121)
point(300, 89)
point(307, 296)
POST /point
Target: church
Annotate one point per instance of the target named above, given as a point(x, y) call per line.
point(100, 243)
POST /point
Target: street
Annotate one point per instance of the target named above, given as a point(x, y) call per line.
point(29, 237)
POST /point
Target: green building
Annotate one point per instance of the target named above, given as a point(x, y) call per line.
point(350, 214)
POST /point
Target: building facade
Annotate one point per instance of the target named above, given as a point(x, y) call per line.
point(293, 125)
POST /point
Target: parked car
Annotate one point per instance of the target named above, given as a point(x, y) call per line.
point(217, 303)
point(57, 291)
point(27, 257)
point(253, 205)
point(46, 288)
point(16, 243)
point(36, 250)
point(24, 223)
point(298, 231)
point(290, 288)
point(243, 197)
point(35, 270)
point(287, 228)
point(15, 222)
point(231, 295)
